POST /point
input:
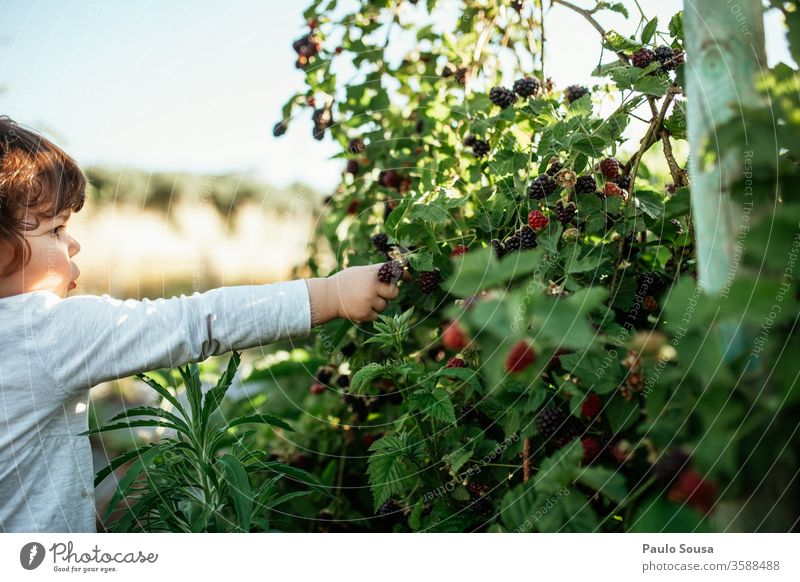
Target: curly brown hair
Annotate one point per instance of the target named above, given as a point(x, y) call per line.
point(38, 180)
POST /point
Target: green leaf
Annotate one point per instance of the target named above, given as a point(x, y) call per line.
point(130, 425)
point(655, 85)
point(213, 397)
point(558, 470)
point(618, 43)
point(607, 481)
point(650, 202)
point(124, 485)
point(649, 30)
point(239, 490)
point(164, 392)
point(435, 403)
point(466, 374)
point(386, 468)
point(260, 419)
point(676, 26)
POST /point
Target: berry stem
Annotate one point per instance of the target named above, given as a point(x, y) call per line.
point(526, 459)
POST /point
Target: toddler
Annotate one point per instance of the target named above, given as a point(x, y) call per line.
point(54, 348)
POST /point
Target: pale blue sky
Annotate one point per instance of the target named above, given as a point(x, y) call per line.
point(197, 85)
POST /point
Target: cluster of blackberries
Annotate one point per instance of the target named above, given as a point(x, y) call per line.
point(523, 239)
point(668, 58)
point(575, 92)
point(322, 119)
point(527, 87)
point(394, 181)
point(502, 97)
point(555, 168)
point(460, 73)
point(479, 147)
point(479, 496)
point(306, 47)
point(542, 186)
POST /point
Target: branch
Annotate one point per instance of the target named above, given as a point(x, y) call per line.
point(526, 459)
point(653, 132)
point(588, 16)
point(679, 176)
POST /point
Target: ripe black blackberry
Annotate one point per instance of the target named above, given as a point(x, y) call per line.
point(642, 58)
point(575, 92)
point(586, 184)
point(610, 168)
point(389, 510)
point(322, 120)
point(479, 494)
point(352, 167)
point(512, 244)
point(554, 168)
point(279, 129)
point(527, 237)
point(565, 213)
point(323, 375)
point(349, 349)
point(669, 466)
point(428, 281)
point(480, 148)
point(623, 181)
point(502, 97)
point(542, 186)
point(343, 380)
point(498, 247)
point(527, 87)
point(668, 57)
point(381, 242)
point(390, 272)
point(469, 141)
point(549, 421)
point(461, 75)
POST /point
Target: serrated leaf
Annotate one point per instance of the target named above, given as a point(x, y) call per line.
point(435, 403)
point(649, 30)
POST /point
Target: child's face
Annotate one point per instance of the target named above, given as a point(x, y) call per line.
point(50, 267)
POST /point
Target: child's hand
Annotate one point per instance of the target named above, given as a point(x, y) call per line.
point(353, 293)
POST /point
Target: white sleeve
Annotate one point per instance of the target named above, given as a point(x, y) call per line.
point(88, 339)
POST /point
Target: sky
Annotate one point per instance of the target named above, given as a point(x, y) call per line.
point(196, 86)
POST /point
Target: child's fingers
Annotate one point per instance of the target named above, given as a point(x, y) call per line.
point(379, 304)
point(388, 291)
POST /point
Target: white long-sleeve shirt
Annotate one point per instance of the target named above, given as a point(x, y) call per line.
point(53, 350)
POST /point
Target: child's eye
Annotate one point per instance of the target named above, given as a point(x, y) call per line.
point(57, 230)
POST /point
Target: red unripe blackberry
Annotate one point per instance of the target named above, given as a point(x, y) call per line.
point(390, 272)
point(611, 189)
point(428, 281)
point(575, 92)
point(650, 304)
point(498, 247)
point(527, 238)
point(456, 363)
point(317, 388)
point(591, 449)
point(459, 250)
point(381, 242)
point(586, 184)
point(610, 168)
point(592, 405)
point(480, 500)
point(555, 359)
point(642, 58)
point(554, 168)
point(502, 97)
point(279, 129)
point(477, 489)
point(454, 338)
point(461, 75)
point(389, 179)
point(693, 489)
point(542, 186)
point(537, 220)
point(520, 357)
point(352, 208)
point(480, 148)
point(352, 167)
point(526, 87)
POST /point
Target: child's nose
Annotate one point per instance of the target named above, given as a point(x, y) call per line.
point(74, 247)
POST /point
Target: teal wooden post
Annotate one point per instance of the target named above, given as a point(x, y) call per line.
point(725, 47)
